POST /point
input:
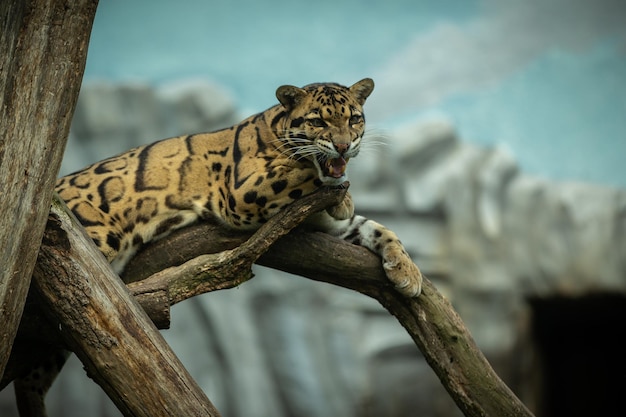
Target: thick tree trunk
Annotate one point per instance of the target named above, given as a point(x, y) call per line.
point(106, 328)
point(43, 47)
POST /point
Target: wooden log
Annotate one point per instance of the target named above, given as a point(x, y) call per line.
point(106, 328)
point(43, 48)
point(230, 267)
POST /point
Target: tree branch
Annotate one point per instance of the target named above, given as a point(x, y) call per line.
point(231, 267)
point(431, 321)
point(112, 336)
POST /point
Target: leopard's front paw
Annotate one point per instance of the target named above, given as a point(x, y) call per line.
point(402, 272)
point(343, 210)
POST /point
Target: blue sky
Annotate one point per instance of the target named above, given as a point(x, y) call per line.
point(546, 79)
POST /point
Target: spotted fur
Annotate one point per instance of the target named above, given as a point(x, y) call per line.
point(240, 176)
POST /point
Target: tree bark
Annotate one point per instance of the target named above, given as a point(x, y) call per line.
point(106, 328)
point(43, 47)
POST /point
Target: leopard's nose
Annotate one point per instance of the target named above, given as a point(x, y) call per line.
point(341, 147)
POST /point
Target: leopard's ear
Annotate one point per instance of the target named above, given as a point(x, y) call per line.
point(362, 89)
point(289, 96)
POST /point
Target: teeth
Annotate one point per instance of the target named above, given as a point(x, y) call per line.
point(336, 166)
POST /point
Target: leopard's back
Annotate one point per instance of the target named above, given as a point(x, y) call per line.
point(240, 176)
point(132, 198)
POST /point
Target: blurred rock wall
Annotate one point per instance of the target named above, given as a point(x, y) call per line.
point(489, 237)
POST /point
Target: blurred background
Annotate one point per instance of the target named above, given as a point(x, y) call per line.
point(546, 78)
point(497, 135)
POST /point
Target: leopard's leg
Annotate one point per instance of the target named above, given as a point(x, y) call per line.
point(31, 389)
point(398, 266)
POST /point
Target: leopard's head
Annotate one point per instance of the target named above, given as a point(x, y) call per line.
point(325, 124)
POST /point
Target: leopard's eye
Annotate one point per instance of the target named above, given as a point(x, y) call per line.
point(355, 119)
point(317, 122)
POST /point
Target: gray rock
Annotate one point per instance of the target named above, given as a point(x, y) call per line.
point(193, 106)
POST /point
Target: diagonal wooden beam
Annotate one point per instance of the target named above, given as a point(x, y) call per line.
point(43, 48)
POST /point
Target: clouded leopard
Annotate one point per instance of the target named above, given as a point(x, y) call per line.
point(241, 176)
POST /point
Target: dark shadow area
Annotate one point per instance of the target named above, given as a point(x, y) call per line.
point(582, 360)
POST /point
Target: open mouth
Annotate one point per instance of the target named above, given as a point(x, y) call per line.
point(335, 167)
